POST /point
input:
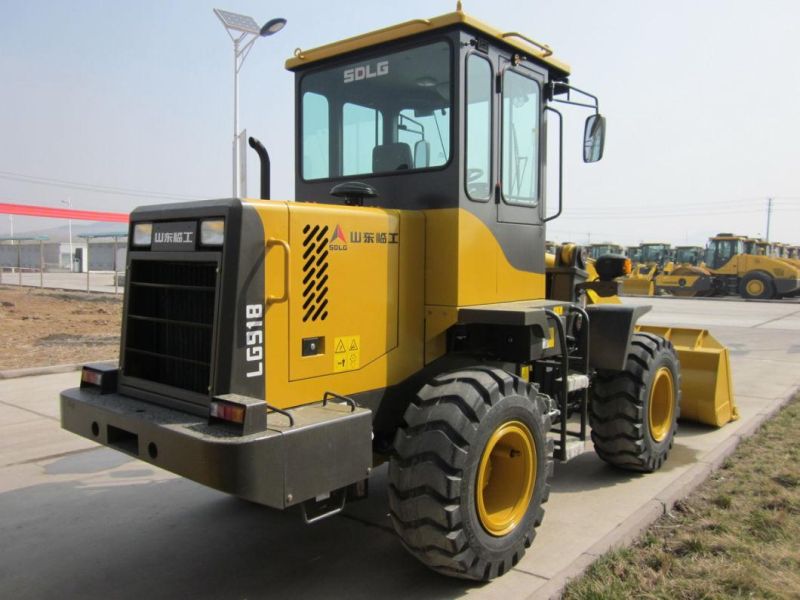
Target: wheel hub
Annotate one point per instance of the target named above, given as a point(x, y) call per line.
point(662, 404)
point(755, 287)
point(506, 478)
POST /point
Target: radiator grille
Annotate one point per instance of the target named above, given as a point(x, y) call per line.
point(169, 323)
point(315, 275)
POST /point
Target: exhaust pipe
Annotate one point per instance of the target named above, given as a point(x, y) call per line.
point(264, 158)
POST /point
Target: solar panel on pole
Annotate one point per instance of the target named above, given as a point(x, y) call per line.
point(237, 22)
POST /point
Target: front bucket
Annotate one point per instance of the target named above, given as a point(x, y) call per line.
point(706, 386)
point(637, 286)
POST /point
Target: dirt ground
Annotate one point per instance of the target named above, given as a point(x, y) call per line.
point(55, 327)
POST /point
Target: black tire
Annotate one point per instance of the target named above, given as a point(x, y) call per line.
point(620, 407)
point(767, 286)
point(433, 472)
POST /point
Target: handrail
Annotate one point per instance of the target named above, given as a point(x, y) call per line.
point(548, 51)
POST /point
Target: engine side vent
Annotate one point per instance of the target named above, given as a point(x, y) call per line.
point(315, 271)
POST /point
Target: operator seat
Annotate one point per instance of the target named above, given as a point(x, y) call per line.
point(391, 157)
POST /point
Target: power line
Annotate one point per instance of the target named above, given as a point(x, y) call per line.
point(650, 213)
point(696, 207)
point(76, 185)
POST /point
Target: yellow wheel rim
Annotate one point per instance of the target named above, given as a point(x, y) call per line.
point(662, 404)
point(506, 477)
point(755, 287)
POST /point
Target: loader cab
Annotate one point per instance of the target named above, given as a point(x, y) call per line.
point(598, 250)
point(657, 254)
point(688, 255)
point(764, 248)
point(634, 253)
point(721, 249)
point(441, 113)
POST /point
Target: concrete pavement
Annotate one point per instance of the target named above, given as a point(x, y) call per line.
point(81, 521)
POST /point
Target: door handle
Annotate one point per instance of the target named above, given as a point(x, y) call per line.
point(286, 250)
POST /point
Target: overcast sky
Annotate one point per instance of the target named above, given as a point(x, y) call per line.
point(700, 98)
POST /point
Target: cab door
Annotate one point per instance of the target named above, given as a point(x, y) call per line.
point(521, 156)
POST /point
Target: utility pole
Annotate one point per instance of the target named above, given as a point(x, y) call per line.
point(769, 215)
point(68, 204)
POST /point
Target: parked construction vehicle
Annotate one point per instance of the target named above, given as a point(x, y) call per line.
point(400, 311)
point(598, 250)
point(653, 257)
point(752, 276)
point(685, 275)
point(785, 253)
point(730, 270)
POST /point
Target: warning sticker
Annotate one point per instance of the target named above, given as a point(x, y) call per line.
point(550, 340)
point(346, 353)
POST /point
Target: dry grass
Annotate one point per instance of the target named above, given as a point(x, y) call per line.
point(737, 536)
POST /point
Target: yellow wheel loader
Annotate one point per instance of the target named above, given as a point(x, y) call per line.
point(652, 259)
point(401, 310)
point(686, 275)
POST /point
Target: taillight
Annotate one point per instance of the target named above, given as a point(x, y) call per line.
point(226, 411)
point(100, 376)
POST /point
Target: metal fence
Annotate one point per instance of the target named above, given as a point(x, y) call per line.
point(95, 263)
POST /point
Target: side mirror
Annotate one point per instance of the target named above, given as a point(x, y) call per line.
point(594, 138)
point(422, 150)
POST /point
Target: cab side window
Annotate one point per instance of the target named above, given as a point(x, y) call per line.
point(520, 157)
point(479, 128)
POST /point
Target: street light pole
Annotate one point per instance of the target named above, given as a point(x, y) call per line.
point(246, 33)
point(236, 157)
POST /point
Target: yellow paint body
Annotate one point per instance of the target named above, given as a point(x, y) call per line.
point(391, 304)
point(741, 264)
point(396, 300)
point(640, 281)
point(519, 42)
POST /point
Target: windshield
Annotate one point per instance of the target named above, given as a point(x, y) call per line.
point(386, 114)
point(686, 255)
point(598, 251)
point(655, 252)
point(720, 252)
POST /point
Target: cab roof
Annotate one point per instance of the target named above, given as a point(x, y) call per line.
point(537, 51)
